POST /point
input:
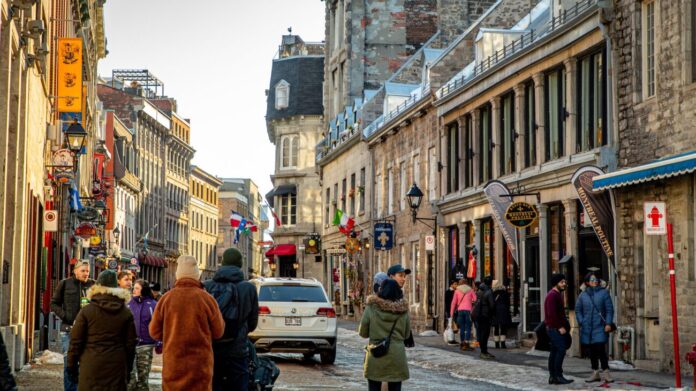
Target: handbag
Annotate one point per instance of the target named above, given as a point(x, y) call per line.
point(612, 326)
point(381, 348)
point(410, 342)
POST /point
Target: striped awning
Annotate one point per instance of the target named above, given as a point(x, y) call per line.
point(659, 169)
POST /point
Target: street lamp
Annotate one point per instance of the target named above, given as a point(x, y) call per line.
point(117, 233)
point(75, 135)
point(415, 196)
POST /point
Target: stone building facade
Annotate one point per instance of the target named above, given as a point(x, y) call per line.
point(204, 220)
point(653, 48)
point(294, 124)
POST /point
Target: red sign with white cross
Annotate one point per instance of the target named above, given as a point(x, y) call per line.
point(655, 216)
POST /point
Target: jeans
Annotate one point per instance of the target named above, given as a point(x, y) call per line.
point(464, 322)
point(230, 373)
point(68, 385)
point(558, 350)
point(483, 332)
point(598, 354)
point(377, 385)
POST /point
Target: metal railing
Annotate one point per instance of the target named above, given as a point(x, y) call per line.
point(524, 41)
point(377, 124)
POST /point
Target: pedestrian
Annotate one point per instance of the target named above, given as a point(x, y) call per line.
point(398, 274)
point(142, 305)
point(484, 314)
point(449, 294)
point(386, 316)
point(378, 280)
point(125, 280)
point(7, 381)
point(239, 305)
point(70, 296)
point(103, 338)
point(594, 312)
point(156, 294)
point(187, 320)
point(460, 311)
point(557, 328)
point(501, 315)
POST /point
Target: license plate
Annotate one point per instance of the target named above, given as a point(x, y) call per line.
point(293, 321)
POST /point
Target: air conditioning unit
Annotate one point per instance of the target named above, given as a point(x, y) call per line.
point(52, 132)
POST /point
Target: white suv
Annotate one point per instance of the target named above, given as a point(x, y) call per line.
point(296, 316)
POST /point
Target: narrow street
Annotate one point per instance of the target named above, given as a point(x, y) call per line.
point(432, 365)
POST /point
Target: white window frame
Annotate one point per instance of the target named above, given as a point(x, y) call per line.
point(402, 186)
point(432, 174)
point(415, 261)
point(649, 57)
point(292, 151)
point(390, 192)
point(285, 202)
point(282, 95)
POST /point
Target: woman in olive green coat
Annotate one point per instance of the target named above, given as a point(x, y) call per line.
point(380, 315)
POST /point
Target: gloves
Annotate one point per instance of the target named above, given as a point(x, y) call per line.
point(158, 347)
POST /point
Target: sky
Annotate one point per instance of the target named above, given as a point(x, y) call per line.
point(214, 57)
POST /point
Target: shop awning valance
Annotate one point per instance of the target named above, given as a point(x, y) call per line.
point(280, 191)
point(153, 261)
point(659, 169)
point(282, 250)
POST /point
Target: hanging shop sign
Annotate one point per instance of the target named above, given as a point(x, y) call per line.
point(113, 264)
point(87, 214)
point(85, 230)
point(69, 75)
point(352, 245)
point(384, 236)
point(498, 198)
point(134, 261)
point(598, 207)
point(521, 214)
point(50, 221)
point(62, 162)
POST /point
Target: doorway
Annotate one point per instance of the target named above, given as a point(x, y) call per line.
point(592, 257)
point(532, 283)
point(287, 268)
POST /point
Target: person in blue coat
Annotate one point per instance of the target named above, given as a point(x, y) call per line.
point(594, 312)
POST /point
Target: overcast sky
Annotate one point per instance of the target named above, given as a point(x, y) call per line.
point(214, 57)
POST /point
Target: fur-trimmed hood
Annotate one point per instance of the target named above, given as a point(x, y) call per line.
point(109, 299)
point(396, 307)
point(464, 288)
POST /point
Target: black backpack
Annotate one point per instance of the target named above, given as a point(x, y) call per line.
point(263, 372)
point(227, 297)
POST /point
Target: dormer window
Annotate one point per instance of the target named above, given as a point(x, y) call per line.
point(282, 95)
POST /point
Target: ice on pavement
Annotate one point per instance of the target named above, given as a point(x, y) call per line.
point(49, 357)
point(621, 366)
point(520, 377)
point(428, 333)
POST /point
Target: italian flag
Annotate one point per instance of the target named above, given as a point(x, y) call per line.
point(345, 223)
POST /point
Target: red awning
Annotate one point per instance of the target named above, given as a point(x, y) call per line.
point(153, 261)
point(282, 250)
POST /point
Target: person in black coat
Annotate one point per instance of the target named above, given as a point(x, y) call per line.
point(501, 318)
point(485, 315)
point(449, 294)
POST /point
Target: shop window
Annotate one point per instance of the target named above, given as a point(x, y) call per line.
point(592, 98)
point(415, 272)
point(556, 245)
point(507, 136)
point(452, 158)
point(555, 114)
point(487, 254)
point(452, 251)
point(485, 145)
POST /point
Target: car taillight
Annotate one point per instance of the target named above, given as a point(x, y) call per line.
point(328, 312)
point(264, 311)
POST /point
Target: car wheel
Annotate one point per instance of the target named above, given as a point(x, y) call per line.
point(328, 356)
point(308, 356)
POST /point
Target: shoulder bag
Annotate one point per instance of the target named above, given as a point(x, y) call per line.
point(604, 321)
point(381, 348)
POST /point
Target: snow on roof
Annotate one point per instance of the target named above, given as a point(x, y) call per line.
point(399, 89)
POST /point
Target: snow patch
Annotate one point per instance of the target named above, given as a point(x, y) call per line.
point(49, 357)
point(428, 333)
point(621, 366)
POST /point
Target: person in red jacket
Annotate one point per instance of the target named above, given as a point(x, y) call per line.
point(557, 327)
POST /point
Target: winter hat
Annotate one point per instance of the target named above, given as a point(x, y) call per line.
point(377, 281)
point(232, 257)
point(108, 278)
point(391, 290)
point(398, 269)
point(187, 267)
point(556, 278)
point(488, 280)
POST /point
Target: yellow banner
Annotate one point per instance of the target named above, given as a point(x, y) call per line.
point(69, 75)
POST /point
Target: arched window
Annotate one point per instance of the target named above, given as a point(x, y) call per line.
point(282, 95)
point(289, 147)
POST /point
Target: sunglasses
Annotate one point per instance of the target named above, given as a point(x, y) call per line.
point(592, 279)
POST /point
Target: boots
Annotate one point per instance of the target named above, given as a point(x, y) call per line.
point(464, 346)
point(606, 378)
point(502, 342)
point(594, 377)
point(496, 339)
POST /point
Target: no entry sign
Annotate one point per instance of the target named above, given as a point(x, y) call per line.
point(655, 215)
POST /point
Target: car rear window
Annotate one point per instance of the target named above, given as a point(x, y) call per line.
point(292, 293)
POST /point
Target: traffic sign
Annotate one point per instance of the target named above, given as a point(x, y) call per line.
point(430, 243)
point(655, 215)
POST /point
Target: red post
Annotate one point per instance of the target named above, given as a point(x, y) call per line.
point(673, 294)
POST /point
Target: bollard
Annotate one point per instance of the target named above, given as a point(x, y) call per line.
point(691, 359)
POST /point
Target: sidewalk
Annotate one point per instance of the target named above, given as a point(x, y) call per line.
point(573, 366)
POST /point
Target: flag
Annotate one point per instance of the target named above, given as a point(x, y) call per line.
point(275, 217)
point(235, 219)
point(75, 203)
point(251, 227)
point(345, 223)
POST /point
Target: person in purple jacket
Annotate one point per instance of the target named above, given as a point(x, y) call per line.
point(142, 305)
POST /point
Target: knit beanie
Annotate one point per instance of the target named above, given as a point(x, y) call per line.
point(377, 281)
point(232, 257)
point(187, 267)
point(556, 278)
point(108, 278)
